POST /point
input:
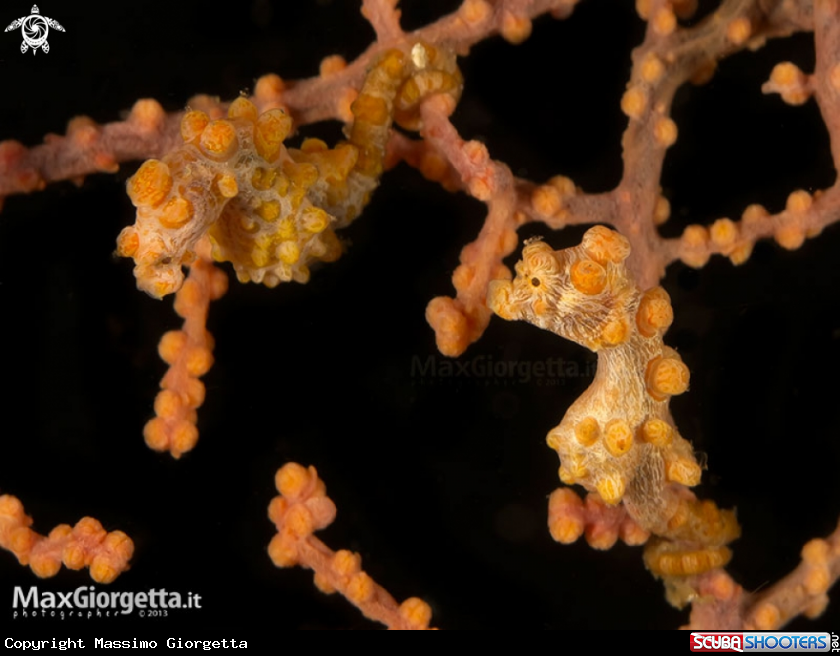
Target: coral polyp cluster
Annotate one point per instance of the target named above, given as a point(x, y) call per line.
point(86, 544)
point(302, 508)
point(189, 354)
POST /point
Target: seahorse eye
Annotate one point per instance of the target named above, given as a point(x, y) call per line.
point(535, 282)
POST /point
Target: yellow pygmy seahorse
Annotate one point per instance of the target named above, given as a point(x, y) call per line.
point(619, 439)
point(268, 209)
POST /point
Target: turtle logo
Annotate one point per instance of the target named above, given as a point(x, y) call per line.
point(34, 29)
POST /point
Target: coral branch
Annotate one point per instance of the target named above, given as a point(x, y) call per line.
point(86, 544)
point(384, 17)
point(189, 354)
point(804, 216)
point(722, 604)
point(826, 79)
point(569, 517)
point(317, 99)
point(459, 322)
point(304, 507)
point(87, 148)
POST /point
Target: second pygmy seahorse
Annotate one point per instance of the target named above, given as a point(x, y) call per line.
point(619, 439)
point(268, 209)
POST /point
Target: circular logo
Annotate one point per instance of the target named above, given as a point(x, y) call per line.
point(35, 30)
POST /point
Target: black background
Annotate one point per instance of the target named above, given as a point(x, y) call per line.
point(440, 484)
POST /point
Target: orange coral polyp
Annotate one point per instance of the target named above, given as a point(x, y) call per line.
point(219, 140)
point(604, 245)
point(611, 488)
point(128, 243)
point(666, 377)
point(655, 313)
point(192, 125)
point(150, 185)
point(176, 213)
point(243, 108)
point(618, 437)
point(657, 432)
point(587, 431)
point(271, 130)
point(683, 471)
point(588, 277)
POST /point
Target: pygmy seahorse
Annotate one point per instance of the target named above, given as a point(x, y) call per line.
point(268, 209)
point(619, 439)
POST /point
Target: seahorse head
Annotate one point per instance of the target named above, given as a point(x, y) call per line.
point(582, 293)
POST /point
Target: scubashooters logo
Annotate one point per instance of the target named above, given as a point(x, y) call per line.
point(756, 641)
point(34, 29)
point(85, 601)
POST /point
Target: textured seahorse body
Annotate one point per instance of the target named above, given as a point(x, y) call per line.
point(232, 180)
point(268, 209)
point(619, 439)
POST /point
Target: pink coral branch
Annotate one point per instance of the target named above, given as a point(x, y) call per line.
point(87, 148)
point(460, 321)
point(723, 604)
point(826, 79)
point(189, 353)
point(304, 507)
point(804, 216)
point(86, 544)
point(569, 517)
point(384, 17)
